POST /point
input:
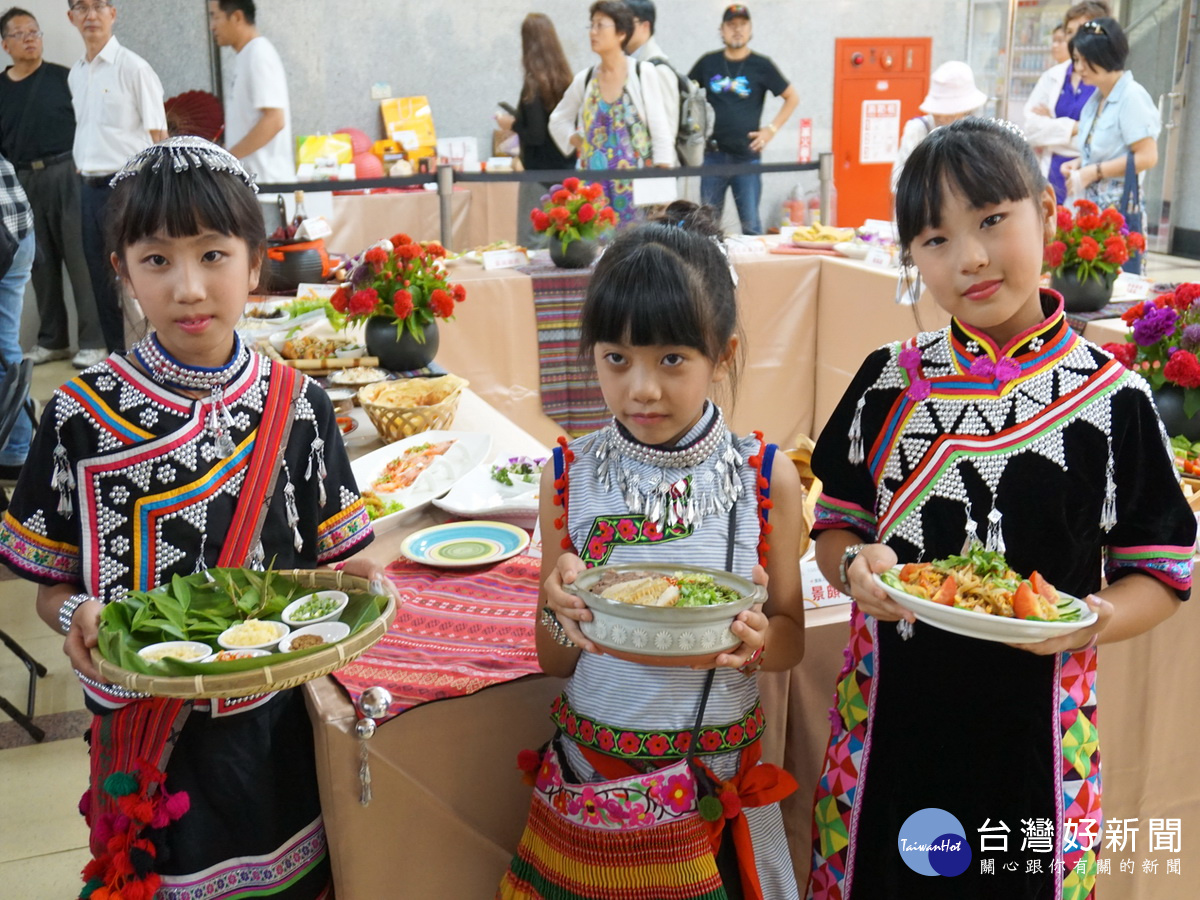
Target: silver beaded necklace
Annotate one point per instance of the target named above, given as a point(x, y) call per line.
point(658, 487)
point(164, 369)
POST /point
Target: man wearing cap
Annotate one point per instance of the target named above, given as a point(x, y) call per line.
point(737, 81)
point(37, 128)
point(258, 128)
point(952, 96)
point(118, 112)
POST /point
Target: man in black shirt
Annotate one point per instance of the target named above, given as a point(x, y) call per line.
point(37, 129)
point(737, 82)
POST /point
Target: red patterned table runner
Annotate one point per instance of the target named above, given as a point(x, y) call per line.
point(455, 633)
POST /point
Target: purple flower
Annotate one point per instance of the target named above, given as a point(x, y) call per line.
point(835, 720)
point(360, 275)
point(1191, 334)
point(554, 189)
point(1154, 326)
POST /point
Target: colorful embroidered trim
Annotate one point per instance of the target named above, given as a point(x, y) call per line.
point(253, 876)
point(1170, 565)
point(834, 513)
point(563, 457)
point(610, 532)
point(339, 533)
point(31, 552)
point(626, 743)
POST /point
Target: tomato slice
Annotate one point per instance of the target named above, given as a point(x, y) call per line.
point(945, 594)
point(911, 569)
point(1025, 602)
point(1041, 586)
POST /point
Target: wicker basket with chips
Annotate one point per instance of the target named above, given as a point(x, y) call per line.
point(400, 409)
point(258, 676)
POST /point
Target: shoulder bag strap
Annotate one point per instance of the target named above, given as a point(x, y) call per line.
point(1131, 194)
point(275, 426)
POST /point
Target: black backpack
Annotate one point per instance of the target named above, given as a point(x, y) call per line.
point(696, 118)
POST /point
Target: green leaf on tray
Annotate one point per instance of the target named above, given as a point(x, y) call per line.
point(193, 608)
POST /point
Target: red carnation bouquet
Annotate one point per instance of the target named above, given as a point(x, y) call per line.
point(574, 211)
point(401, 280)
point(1163, 342)
point(1093, 242)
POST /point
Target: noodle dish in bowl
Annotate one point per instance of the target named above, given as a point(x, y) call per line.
point(664, 614)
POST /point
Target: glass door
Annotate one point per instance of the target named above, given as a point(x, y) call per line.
point(987, 51)
point(1029, 55)
point(1158, 33)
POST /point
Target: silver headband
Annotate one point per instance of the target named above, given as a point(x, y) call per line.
point(185, 152)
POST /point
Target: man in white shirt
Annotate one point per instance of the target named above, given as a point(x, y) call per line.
point(644, 48)
point(258, 121)
point(119, 111)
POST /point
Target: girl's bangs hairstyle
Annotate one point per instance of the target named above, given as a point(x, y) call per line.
point(987, 161)
point(660, 284)
point(181, 204)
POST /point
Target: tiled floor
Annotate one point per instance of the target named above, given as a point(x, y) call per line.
point(42, 837)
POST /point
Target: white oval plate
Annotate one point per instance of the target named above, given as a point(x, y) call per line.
point(987, 627)
point(458, 545)
point(469, 450)
point(479, 496)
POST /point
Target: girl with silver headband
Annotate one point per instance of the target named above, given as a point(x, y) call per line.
point(150, 456)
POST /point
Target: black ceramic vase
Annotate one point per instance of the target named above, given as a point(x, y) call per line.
point(578, 255)
point(1088, 295)
point(1169, 400)
point(403, 353)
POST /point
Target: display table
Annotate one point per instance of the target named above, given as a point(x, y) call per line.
point(480, 214)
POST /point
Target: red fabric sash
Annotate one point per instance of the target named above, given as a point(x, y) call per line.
point(142, 732)
point(755, 784)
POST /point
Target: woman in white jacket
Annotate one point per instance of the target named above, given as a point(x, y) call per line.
point(611, 116)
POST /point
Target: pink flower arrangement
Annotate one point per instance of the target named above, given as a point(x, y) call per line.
point(1163, 342)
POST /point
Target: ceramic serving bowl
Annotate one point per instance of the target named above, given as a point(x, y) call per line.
point(329, 632)
point(188, 651)
point(333, 602)
point(229, 638)
point(664, 636)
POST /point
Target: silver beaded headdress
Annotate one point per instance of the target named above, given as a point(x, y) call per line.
point(183, 153)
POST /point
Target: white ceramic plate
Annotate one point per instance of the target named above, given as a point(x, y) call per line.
point(479, 496)
point(986, 627)
point(458, 545)
point(469, 451)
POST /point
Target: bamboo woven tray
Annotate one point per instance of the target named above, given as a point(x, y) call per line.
point(286, 674)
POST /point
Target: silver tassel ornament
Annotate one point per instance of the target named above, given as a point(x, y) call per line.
point(293, 514)
point(855, 435)
point(317, 454)
point(62, 480)
point(995, 533)
point(1108, 512)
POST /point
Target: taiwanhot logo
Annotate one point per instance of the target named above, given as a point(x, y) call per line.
point(933, 842)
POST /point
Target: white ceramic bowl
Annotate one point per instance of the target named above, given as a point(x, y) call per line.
point(186, 651)
point(281, 631)
point(665, 636)
point(248, 654)
point(341, 598)
point(330, 632)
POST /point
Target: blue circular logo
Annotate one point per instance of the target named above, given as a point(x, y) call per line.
point(933, 842)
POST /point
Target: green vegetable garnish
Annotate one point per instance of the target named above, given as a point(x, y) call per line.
point(702, 590)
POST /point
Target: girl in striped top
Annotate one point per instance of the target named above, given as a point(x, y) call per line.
point(617, 811)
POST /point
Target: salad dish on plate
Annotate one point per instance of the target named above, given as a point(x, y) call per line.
point(415, 470)
point(507, 490)
point(978, 595)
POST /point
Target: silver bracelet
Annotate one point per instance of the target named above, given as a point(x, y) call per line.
point(550, 622)
point(848, 558)
point(66, 612)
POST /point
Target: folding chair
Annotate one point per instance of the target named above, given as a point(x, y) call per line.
point(15, 402)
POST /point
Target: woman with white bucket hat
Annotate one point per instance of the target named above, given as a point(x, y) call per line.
point(952, 96)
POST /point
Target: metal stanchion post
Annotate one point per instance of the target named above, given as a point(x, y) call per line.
point(826, 177)
point(445, 187)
